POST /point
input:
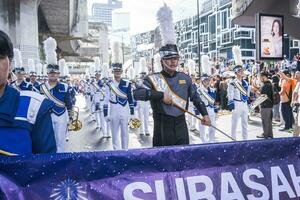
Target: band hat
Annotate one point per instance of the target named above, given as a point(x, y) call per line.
point(167, 31)
point(50, 46)
point(116, 61)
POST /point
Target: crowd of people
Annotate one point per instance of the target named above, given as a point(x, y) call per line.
point(39, 119)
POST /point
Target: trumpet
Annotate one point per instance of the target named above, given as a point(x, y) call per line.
point(75, 124)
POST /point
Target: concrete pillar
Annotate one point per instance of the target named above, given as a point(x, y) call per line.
point(19, 19)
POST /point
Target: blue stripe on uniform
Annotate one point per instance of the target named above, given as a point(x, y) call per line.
point(23, 106)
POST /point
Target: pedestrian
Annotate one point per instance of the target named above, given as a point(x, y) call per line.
point(25, 116)
point(266, 106)
point(170, 91)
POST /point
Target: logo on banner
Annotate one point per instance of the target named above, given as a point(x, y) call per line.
point(69, 190)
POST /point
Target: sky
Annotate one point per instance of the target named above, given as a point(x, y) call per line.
point(143, 12)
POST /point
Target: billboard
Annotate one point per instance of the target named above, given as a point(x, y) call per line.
point(270, 31)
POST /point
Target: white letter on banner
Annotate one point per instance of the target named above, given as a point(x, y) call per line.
point(135, 186)
point(206, 194)
point(160, 190)
point(295, 178)
point(226, 180)
point(256, 186)
point(284, 187)
point(180, 189)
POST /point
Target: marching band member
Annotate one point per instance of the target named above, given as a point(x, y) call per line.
point(20, 84)
point(208, 95)
point(33, 75)
point(169, 91)
point(58, 93)
point(106, 127)
point(98, 88)
point(238, 95)
point(118, 103)
point(25, 116)
point(143, 106)
point(192, 120)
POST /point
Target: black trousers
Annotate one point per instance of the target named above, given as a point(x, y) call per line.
point(287, 115)
point(169, 130)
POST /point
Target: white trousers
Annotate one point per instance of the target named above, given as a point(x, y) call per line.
point(192, 120)
point(119, 117)
point(211, 131)
point(240, 112)
point(60, 127)
point(88, 101)
point(143, 112)
point(100, 119)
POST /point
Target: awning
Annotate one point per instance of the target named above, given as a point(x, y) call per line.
point(244, 12)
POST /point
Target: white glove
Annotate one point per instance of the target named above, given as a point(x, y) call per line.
point(107, 119)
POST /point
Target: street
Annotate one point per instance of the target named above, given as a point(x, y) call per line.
point(90, 139)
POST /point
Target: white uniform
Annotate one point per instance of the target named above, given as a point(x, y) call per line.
point(87, 92)
point(210, 107)
point(143, 111)
point(240, 107)
point(118, 112)
point(98, 102)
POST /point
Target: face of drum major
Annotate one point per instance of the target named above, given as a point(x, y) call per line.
point(240, 73)
point(171, 63)
point(53, 77)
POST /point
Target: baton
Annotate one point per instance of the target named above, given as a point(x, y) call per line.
point(201, 120)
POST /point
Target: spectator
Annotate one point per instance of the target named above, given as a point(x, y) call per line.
point(266, 106)
point(276, 98)
point(296, 104)
point(287, 87)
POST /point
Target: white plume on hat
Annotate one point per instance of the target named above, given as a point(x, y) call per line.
point(105, 70)
point(31, 65)
point(157, 63)
point(131, 73)
point(237, 55)
point(50, 46)
point(62, 67)
point(45, 69)
point(191, 66)
point(18, 58)
point(97, 63)
point(115, 50)
point(166, 26)
point(39, 68)
point(205, 65)
point(143, 65)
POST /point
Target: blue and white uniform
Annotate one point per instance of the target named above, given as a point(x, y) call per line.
point(208, 96)
point(60, 95)
point(143, 114)
point(98, 101)
point(24, 85)
point(238, 102)
point(72, 92)
point(26, 127)
point(117, 108)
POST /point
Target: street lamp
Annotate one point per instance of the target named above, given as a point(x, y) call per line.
point(199, 53)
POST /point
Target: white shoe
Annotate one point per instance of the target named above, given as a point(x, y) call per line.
point(67, 139)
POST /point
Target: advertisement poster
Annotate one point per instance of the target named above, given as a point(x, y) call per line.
point(271, 31)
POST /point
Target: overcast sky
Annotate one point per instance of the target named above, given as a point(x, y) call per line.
point(143, 12)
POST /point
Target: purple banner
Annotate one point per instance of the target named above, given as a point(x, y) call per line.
point(262, 169)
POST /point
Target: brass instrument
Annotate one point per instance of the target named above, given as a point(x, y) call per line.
point(262, 98)
point(134, 123)
point(75, 124)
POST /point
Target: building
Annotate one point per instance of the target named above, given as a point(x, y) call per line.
point(102, 12)
point(217, 35)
